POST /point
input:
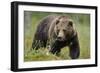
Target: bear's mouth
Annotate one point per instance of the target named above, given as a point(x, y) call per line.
point(60, 39)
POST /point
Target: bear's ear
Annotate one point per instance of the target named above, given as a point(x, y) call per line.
point(70, 23)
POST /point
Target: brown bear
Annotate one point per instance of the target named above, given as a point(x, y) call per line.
point(57, 31)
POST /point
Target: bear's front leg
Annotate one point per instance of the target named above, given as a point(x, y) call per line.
point(74, 48)
point(55, 48)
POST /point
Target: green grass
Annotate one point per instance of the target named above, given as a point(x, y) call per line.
point(82, 23)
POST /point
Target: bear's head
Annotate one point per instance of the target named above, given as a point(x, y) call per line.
point(63, 28)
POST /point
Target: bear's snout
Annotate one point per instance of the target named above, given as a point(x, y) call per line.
point(60, 38)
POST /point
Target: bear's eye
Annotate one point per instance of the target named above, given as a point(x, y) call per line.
point(64, 30)
point(57, 22)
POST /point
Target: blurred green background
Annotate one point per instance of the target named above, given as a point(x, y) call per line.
point(31, 20)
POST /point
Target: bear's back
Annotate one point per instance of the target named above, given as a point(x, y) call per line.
point(43, 26)
point(45, 23)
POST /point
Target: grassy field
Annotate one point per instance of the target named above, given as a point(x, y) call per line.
point(31, 20)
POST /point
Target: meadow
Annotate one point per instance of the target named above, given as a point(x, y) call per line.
point(31, 20)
